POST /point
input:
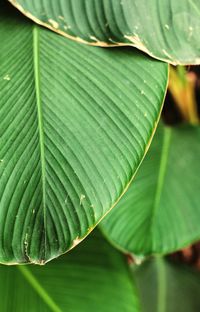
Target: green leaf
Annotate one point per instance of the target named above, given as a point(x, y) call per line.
point(165, 287)
point(165, 29)
point(75, 124)
point(160, 212)
point(94, 277)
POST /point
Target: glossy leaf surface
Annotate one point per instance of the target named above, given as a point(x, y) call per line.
point(165, 29)
point(75, 122)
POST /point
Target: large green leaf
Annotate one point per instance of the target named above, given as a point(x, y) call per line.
point(165, 29)
point(75, 124)
point(165, 287)
point(160, 212)
point(94, 277)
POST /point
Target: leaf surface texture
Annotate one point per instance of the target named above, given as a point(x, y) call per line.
point(94, 276)
point(165, 29)
point(159, 213)
point(75, 122)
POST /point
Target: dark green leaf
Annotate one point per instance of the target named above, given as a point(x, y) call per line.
point(75, 122)
point(165, 287)
point(93, 277)
point(165, 29)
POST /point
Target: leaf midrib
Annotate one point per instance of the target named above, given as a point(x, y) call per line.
point(162, 287)
point(36, 60)
point(194, 6)
point(167, 133)
point(34, 283)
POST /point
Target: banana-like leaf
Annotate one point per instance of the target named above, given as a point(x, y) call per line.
point(94, 277)
point(75, 122)
point(163, 286)
point(165, 29)
point(160, 212)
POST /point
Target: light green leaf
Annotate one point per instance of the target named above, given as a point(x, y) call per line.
point(165, 287)
point(94, 277)
point(165, 29)
point(75, 124)
point(160, 212)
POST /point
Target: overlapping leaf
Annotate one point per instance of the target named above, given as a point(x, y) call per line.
point(75, 122)
point(160, 212)
point(166, 287)
point(165, 29)
point(92, 277)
